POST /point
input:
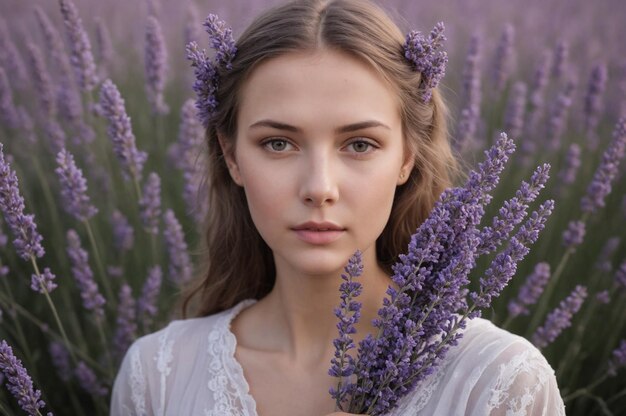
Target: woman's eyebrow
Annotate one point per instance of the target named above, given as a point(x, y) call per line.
point(344, 129)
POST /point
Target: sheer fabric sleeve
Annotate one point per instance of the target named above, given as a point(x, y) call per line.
point(518, 382)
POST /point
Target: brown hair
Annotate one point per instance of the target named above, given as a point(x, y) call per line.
point(236, 263)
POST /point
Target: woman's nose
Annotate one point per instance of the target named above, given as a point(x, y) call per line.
point(319, 185)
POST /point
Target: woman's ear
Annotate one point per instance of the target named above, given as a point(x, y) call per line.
point(229, 158)
point(406, 169)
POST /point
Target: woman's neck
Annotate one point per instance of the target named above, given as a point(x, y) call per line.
point(296, 319)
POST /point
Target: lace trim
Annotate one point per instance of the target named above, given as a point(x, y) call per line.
point(163, 359)
point(528, 362)
point(230, 389)
point(137, 383)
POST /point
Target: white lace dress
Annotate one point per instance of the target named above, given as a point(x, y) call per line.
point(189, 368)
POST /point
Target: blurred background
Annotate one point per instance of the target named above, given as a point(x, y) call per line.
point(550, 73)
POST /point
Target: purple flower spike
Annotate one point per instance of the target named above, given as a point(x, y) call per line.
point(147, 302)
point(558, 115)
point(180, 267)
point(206, 71)
point(61, 360)
point(44, 282)
point(513, 211)
point(120, 132)
point(600, 185)
point(27, 240)
point(514, 114)
point(530, 292)
point(504, 57)
point(504, 266)
point(593, 102)
point(561, 53)
point(74, 188)
point(603, 297)
point(81, 57)
point(123, 232)
point(150, 204)
point(92, 299)
point(574, 235)
point(8, 112)
point(425, 57)
point(155, 66)
point(560, 318)
point(18, 381)
point(126, 320)
point(10, 58)
point(42, 81)
point(604, 259)
point(567, 175)
point(88, 380)
point(618, 358)
point(348, 312)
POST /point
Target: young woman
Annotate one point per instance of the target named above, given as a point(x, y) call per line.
point(321, 144)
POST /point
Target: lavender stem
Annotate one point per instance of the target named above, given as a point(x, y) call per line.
point(100, 266)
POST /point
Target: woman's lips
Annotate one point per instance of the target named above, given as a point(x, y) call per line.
point(318, 237)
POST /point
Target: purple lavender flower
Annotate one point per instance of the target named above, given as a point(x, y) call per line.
point(126, 321)
point(191, 34)
point(18, 381)
point(150, 204)
point(530, 292)
point(419, 322)
point(146, 304)
point(123, 232)
point(560, 318)
point(81, 57)
point(8, 113)
point(206, 74)
point(537, 92)
point(574, 234)
point(27, 240)
point(88, 380)
point(503, 58)
point(10, 59)
point(600, 185)
point(41, 80)
point(471, 73)
point(618, 358)
point(425, 57)
point(604, 259)
point(120, 132)
point(104, 45)
point(61, 360)
point(603, 297)
point(513, 211)
point(593, 102)
point(348, 312)
point(514, 114)
point(92, 299)
point(561, 53)
point(26, 125)
point(155, 66)
point(53, 42)
point(504, 266)
point(74, 188)
point(558, 115)
point(56, 139)
point(567, 175)
point(180, 268)
point(620, 276)
point(43, 282)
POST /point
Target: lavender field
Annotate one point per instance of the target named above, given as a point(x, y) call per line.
point(101, 180)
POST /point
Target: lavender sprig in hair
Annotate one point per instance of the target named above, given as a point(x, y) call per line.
point(207, 71)
point(423, 53)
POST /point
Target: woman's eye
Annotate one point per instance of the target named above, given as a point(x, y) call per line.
point(277, 145)
point(361, 146)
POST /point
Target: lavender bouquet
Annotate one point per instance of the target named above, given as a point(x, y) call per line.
point(421, 319)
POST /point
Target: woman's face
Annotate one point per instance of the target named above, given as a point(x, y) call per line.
point(319, 153)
